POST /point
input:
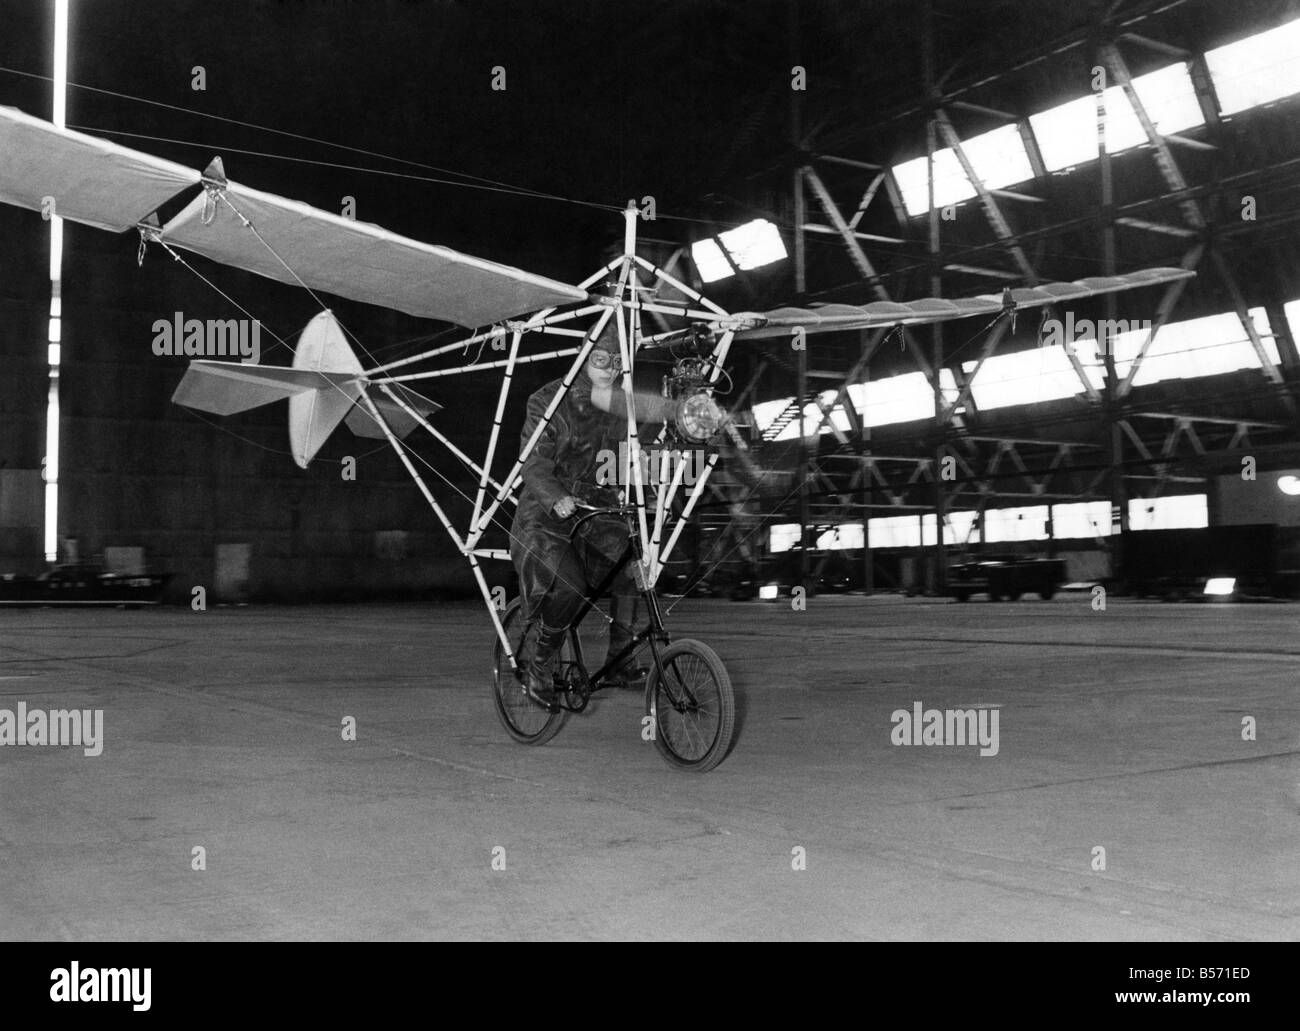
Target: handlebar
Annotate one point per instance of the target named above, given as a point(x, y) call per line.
point(607, 510)
point(592, 511)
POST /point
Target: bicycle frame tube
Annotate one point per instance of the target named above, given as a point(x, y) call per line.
point(654, 632)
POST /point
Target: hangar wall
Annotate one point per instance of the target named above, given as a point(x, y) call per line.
point(138, 472)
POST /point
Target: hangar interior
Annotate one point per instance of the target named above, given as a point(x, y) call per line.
point(1121, 457)
point(800, 159)
point(1157, 460)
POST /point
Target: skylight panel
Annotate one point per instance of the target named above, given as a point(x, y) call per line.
point(1029, 377)
point(1179, 512)
point(1256, 70)
point(998, 158)
point(1208, 346)
point(1083, 519)
point(1067, 134)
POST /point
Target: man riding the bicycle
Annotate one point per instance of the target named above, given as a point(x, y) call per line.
point(559, 568)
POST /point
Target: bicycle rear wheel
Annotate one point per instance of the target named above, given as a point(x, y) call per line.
point(689, 695)
point(524, 720)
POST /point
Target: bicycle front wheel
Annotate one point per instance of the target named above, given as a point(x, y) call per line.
point(524, 720)
point(692, 705)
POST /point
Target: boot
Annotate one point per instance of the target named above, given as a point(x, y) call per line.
point(622, 610)
point(539, 683)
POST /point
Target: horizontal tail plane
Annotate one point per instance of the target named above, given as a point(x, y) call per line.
point(323, 388)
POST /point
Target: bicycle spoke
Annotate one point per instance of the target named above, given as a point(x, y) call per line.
point(689, 694)
point(692, 721)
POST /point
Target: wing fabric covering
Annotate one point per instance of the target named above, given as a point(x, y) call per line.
point(91, 181)
point(828, 317)
point(361, 422)
point(110, 187)
point(358, 260)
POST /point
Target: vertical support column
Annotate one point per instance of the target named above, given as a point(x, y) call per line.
point(796, 145)
point(800, 288)
point(939, 556)
point(868, 481)
point(868, 563)
point(1111, 395)
point(801, 390)
point(54, 335)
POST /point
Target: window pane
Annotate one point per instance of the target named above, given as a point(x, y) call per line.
point(1015, 524)
point(1206, 346)
point(1181, 512)
point(1088, 519)
point(782, 537)
point(958, 528)
point(1027, 377)
point(903, 398)
point(998, 158)
point(1067, 134)
point(1258, 69)
point(753, 244)
point(709, 261)
point(894, 531)
point(838, 538)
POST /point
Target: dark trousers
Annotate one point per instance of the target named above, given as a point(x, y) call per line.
point(575, 572)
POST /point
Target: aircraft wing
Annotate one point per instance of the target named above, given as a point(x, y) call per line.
point(301, 245)
point(90, 180)
point(112, 187)
point(828, 317)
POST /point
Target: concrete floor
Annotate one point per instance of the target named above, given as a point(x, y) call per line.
point(1119, 729)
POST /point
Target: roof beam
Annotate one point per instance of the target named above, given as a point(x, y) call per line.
point(1271, 371)
point(977, 270)
point(813, 227)
point(868, 196)
point(992, 212)
point(1156, 227)
point(1157, 45)
point(1164, 158)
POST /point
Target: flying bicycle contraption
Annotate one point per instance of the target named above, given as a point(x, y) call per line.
point(688, 693)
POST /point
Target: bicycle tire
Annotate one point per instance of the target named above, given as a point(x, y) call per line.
point(525, 721)
point(680, 695)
